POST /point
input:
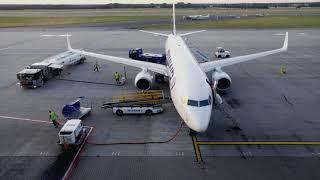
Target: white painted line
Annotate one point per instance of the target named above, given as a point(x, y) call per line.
point(25, 119)
point(48, 35)
point(115, 153)
point(65, 35)
point(76, 157)
point(9, 47)
point(279, 34)
point(5, 48)
point(55, 35)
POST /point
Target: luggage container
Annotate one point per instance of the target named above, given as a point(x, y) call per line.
point(74, 110)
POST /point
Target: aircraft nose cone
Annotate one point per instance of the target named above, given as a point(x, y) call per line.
point(199, 120)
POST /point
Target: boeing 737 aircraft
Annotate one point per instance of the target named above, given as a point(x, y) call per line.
point(191, 91)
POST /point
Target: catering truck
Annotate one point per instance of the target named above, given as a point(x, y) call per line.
point(35, 75)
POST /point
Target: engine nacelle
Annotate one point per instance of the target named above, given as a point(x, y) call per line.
point(143, 80)
point(223, 80)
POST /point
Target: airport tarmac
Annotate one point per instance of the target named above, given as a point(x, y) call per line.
point(261, 106)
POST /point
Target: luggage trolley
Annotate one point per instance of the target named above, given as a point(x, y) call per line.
point(74, 110)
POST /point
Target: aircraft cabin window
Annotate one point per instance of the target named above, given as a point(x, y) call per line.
point(193, 103)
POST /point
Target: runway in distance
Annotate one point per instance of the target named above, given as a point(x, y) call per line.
point(192, 93)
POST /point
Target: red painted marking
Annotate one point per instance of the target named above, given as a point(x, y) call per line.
point(76, 158)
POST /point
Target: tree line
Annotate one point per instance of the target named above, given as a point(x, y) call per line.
point(164, 5)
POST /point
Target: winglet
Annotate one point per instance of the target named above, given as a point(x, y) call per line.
point(285, 43)
point(69, 44)
point(174, 30)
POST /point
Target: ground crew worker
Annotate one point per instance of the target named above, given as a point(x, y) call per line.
point(117, 77)
point(52, 117)
point(96, 67)
point(283, 70)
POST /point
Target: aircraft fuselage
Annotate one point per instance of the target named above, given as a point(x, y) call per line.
point(190, 92)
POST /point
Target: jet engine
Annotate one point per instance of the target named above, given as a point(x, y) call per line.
point(223, 80)
point(143, 80)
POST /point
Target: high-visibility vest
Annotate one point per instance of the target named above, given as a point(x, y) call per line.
point(52, 116)
point(117, 75)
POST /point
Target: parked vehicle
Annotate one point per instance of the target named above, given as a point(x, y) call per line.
point(137, 54)
point(222, 53)
point(134, 109)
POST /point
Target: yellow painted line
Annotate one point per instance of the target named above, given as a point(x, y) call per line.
point(196, 148)
point(258, 142)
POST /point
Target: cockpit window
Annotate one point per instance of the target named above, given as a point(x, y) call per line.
point(204, 103)
point(193, 103)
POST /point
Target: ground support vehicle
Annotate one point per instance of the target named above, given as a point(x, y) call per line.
point(74, 110)
point(36, 74)
point(222, 53)
point(143, 102)
point(30, 78)
point(72, 134)
point(137, 54)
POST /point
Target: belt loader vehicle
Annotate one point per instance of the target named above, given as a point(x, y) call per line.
point(143, 102)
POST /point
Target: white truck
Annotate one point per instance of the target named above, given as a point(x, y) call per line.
point(222, 53)
point(36, 74)
point(147, 110)
point(72, 134)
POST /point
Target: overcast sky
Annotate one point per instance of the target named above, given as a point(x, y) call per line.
point(139, 1)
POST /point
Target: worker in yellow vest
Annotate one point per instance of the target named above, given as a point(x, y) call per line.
point(117, 77)
point(283, 70)
point(53, 118)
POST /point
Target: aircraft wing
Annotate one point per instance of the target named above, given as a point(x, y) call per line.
point(209, 66)
point(157, 68)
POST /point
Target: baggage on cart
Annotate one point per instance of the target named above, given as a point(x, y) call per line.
point(74, 110)
point(142, 102)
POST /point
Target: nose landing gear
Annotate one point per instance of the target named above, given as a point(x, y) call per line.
point(192, 132)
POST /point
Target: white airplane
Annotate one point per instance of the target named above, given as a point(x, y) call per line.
point(197, 17)
point(191, 91)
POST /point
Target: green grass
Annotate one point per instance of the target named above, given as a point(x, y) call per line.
point(260, 22)
point(157, 12)
point(47, 21)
